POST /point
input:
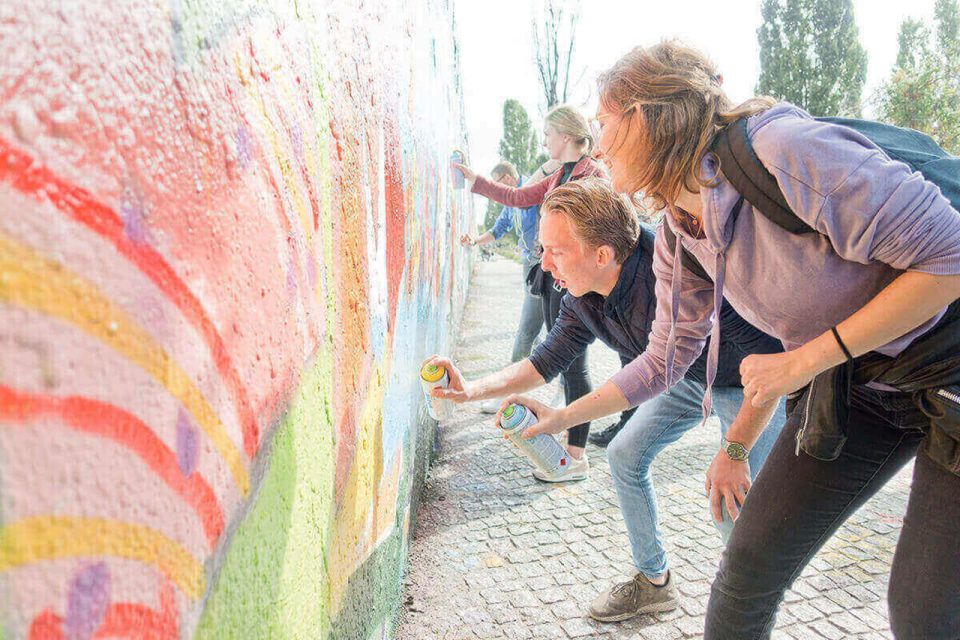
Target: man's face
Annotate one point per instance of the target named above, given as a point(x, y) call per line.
point(570, 262)
point(506, 178)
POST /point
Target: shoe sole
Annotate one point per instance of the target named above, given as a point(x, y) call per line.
point(560, 480)
point(653, 608)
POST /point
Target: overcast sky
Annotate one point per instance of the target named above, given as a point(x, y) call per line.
point(497, 53)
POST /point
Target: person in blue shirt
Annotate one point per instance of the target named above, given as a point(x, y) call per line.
point(525, 221)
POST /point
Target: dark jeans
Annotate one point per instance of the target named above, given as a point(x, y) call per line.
point(798, 502)
point(576, 379)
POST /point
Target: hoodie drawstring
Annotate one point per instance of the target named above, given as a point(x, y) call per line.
point(671, 352)
point(713, 355)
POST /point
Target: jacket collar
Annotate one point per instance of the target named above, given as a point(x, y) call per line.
point(582, 168)
point(628, 276)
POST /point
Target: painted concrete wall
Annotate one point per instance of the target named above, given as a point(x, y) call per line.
point(226, 242)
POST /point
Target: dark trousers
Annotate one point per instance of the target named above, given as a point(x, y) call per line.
point(576, 379)
point(798, 502)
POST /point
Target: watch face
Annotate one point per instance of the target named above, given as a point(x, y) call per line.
point(736, 451)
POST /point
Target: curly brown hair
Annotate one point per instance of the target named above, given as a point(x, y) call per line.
point(672, 103)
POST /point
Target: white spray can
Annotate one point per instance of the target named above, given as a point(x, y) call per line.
point(432, 376)
point(543, 450)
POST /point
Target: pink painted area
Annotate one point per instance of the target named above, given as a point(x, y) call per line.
point(124, 489)
point(43, 588)
point(49, 370)
point(87, 254)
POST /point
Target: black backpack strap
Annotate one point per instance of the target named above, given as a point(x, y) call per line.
point(743, 169)
point(689, 261)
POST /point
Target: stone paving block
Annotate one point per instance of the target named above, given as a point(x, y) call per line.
point(549, 596)
point(849, 623)
point(690, 626)
point(566, 610)
point(804, 612)
point(548, 631)
point(661, 631)
point(516, 631)
point(578, 628)
point(829, 631)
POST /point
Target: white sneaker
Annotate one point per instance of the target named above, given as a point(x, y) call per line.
point(490, 406)
point(577, 470)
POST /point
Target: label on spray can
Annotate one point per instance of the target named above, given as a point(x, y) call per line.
point(458, 157)
point(543, 450)
point(432, 376)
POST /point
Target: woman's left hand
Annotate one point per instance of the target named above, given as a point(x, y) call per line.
point(549, 420)
point(768, 377)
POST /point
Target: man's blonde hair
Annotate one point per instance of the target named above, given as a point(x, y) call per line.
point(672, 105)
point(504, 168)
point(600, 215)
point(570, 122)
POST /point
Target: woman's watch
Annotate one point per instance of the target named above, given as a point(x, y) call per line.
point(734, 450)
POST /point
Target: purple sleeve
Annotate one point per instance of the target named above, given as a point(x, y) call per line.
point(645, 376)
point(871, 208)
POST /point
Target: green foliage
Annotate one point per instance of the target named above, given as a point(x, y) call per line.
point(493, 212)
point(520, 143)
point(810, 55)
point(923, 91)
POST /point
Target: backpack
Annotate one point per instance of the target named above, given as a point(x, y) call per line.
point(743, 169)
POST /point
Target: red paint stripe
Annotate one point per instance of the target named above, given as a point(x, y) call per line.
point(36, 180)
point(126, 620)
point(123, 620)
point(46, 626)
point(105, 420)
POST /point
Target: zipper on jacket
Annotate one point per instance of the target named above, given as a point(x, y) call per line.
point(953, 397)
point(806, 419)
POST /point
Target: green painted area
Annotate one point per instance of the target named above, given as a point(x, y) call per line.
point(273, 583)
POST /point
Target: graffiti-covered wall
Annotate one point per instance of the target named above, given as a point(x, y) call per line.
point(226, 243)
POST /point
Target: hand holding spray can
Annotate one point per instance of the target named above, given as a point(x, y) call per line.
point(432, 376)
point(543, 450)
point(457, 157)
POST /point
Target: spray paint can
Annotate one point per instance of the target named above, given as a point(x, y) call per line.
point(543, 450)
point(458, 157)
point(432, 376)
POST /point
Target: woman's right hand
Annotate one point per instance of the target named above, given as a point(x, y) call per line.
point(458, 390)
point(469, 175)
point(466, 240)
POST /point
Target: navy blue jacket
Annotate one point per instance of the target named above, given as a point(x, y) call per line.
point(622, 322)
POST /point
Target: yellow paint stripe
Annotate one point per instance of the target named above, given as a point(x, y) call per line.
point(30, 280)
point(47, 538)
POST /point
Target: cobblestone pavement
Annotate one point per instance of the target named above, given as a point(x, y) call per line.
point(497, 554)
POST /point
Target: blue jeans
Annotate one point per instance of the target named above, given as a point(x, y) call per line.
point(655, 425)
point(531, 320)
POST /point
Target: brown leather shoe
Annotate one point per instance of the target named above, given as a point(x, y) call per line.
point(633, 597)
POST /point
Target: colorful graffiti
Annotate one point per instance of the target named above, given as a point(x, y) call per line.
point(226, 243)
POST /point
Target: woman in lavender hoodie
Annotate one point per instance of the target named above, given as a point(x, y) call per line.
point(879, 274)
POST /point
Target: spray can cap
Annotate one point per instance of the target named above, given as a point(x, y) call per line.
point(513, 415)
point(432, 373)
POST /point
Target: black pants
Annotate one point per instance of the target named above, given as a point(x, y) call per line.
point(798, 502)
point(576, 379)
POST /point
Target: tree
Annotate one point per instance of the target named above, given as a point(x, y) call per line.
point(923, 91)
point(810, 55)
point(553, 46)
point(520, 143)
point(494, 209)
